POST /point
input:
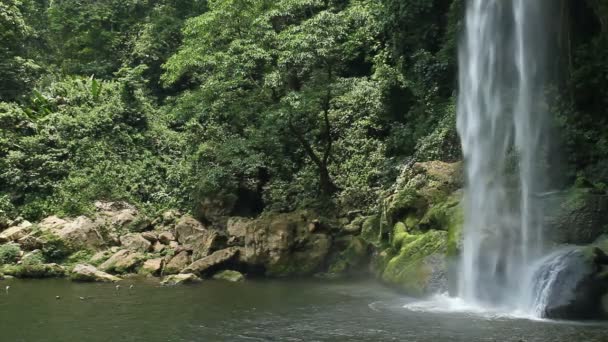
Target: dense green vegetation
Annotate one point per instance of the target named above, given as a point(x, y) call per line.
point(253, 104)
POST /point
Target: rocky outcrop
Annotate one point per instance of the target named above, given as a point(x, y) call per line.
point(89, 273)
point(213, 262)
point(80, 233)
point(421, 219)
point(283, 244)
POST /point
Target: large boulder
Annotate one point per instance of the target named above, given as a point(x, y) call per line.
point(213, 262)
point(153, 266)
point(15, 233)
point(283, 244)
point(135, 242)
point(81, 233)
point(195, 237)
point(572, 283)
point(177, 263)
point(123, 261)
point(89, 273)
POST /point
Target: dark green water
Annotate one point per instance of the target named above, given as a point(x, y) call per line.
point(251, 311)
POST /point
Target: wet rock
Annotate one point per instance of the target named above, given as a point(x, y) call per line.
point(213, 262)
point(229, 275)
point(177, 263)
point(419, 266)
point(135, 242)
point(180, 279)
point(83, 272)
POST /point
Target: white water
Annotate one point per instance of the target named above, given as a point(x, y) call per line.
point(501, 124)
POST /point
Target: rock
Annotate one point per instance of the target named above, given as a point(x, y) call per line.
point(352, 258)
point(177, 263)
point(419, 267)
point(283, 245)
point(52, 223)
point(135, 242)
point(30, 242)
point(150, 236)
point(237, 228)
point(100, 257)
point(577, 216)
point(170, 216)
point(186, 227)
point(153, 266)
point(82, 272)
point(216, 209)
point(166, 237)
point(82, 233)
point(15, 233)
point(158, 247)
point(112, 206)
point(204, 243)
point(174, 245)
point(421, 185)
point(228, 275)
point(180, 279)
point(213, 262)
point(123, 261)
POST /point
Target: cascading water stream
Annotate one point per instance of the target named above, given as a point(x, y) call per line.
point(501, 123)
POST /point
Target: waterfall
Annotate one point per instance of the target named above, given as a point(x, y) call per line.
point(501, 121)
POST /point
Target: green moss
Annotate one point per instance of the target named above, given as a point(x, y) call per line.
point(409, 269)
point(351, 259)
point(54, 248)
point(79, 257)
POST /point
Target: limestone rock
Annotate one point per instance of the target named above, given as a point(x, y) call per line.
point(213, 262)
point(229, 275)
point(123, 261)
point(284, 246)
point(135, 242)
point(82, 233)
point(82, 272)
point(166, 237)
point(100, 257)
point(186, 227)
point(153, 266)
point(150, 236)
point(158, 247)
point(30, 242)
point(237, 228)
point(177, 263)
point(180, 279)
point(15, 233)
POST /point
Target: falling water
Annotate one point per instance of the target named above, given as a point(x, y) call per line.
point(501, 123)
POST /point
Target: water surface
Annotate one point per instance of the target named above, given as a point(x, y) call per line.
point(251, 311)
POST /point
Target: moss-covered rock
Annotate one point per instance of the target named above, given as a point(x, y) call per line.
point(230, 276)
point(351, 260)
point(418, 267)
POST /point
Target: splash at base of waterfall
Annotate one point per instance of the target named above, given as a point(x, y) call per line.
point(544, 282)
